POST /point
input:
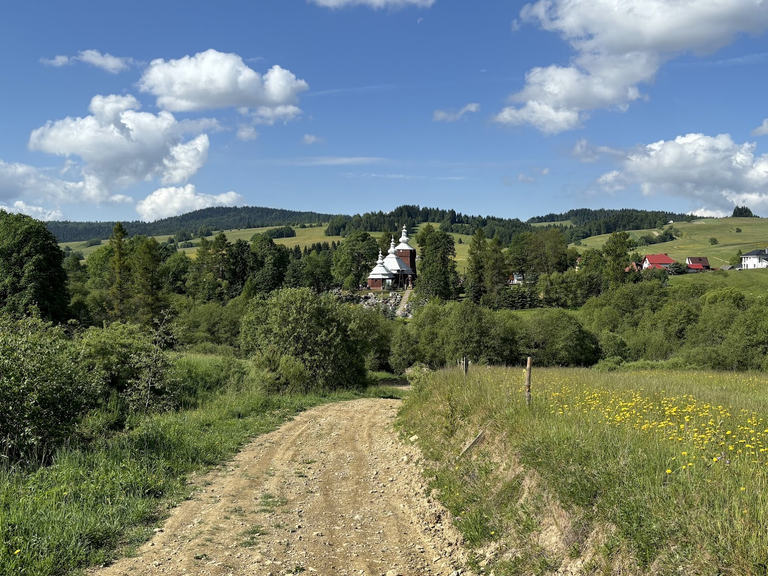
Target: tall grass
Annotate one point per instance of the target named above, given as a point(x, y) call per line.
point(93, 503)
point(673, 465)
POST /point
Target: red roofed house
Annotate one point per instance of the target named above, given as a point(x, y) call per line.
point(698, 263)
point(658, 261)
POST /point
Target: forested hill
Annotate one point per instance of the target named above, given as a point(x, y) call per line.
point(585, 222)
point(582, 223)
point(410, 216)
point(197, 222)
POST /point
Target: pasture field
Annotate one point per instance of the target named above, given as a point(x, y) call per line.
point(304, 237)
point(750, 282)
point(695, 239)
point(621, 472)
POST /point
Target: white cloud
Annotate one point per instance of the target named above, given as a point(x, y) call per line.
point(213, 79)
point(24, 181)
point(57, 61)
point(761, 130)
point(544, 171)
point(310, 139)
point(120, 146)
point(112, 64)
point(707, 213)
point(284, 114)
point(619, 46)
point(523, 178)
point(377, 4)
point(714, 171)
point(246, 133)
point(546, 118)
point(36, 212)
point(453, 115)
point(167, 202)
point(586, 152)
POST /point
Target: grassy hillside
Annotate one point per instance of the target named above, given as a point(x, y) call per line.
point(750, 282)
point(695, 239)
point(304, 237)
point(604, 473)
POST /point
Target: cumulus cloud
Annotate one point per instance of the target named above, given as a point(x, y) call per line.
point(37, 212)
point(112, 64)
point(310, 139)
point(453, 115)
point(761, 130)
point(24, 181)
point(246, 133)
point(618, 47)
point(377, 4)
point(713, 171)
point(172, 201)
point(119, 145)
point(213, 79)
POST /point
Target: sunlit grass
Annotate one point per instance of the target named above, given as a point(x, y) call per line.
point(676, 462)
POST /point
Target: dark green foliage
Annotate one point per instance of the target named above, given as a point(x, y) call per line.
point(354, 259)
point(31, 272)
point(44, 388)
point(556, 338)
point(282, 232)
point(306, 341)
point(713, 241)
point(742, 212)
point(441, 334)
point(437, 268)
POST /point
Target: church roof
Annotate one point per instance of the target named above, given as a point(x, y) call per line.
point(404, 241)
point(395, 264)
point(381, 271)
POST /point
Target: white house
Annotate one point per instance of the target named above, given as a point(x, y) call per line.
point(754, 259)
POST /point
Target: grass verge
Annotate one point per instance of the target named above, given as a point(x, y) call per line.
point(630, 472)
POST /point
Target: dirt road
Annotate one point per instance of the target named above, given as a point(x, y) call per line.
point(332, 492)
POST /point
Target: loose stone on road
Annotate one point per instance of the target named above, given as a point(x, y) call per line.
point(333, 491)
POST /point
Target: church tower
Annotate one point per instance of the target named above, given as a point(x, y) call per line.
point(406, 252)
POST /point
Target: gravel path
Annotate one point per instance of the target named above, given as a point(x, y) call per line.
point(334, 491)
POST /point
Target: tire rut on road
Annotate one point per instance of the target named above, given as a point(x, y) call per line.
point(333, 491)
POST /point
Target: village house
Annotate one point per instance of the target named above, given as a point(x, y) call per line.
point(754, 259)
point(657, 261)
point(398, 269)
point(697, 263)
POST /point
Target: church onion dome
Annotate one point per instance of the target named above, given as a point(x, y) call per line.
point(404, 241)
point(395, 264)
point(380, 271)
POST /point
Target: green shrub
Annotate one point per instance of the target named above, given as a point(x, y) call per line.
point(554, 337)
point(314, 331)
point(133, 366)
point(44, 389)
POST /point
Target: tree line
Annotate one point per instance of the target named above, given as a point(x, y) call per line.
point(198, 223)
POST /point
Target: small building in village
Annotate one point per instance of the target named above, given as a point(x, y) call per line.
point(697, 263)
point(398, 269)
point(754, 259)
point(657, 261)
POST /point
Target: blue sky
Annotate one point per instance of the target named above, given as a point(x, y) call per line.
point(501, 108)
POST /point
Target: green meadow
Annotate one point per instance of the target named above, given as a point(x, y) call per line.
point(695, 240)
point(603, 473)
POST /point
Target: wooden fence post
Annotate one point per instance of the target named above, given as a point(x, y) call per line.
point(465, 365)
point(528, 382)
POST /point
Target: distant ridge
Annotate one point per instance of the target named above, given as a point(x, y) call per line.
point(217, 218)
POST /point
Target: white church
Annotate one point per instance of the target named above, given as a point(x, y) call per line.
point(398, 269)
